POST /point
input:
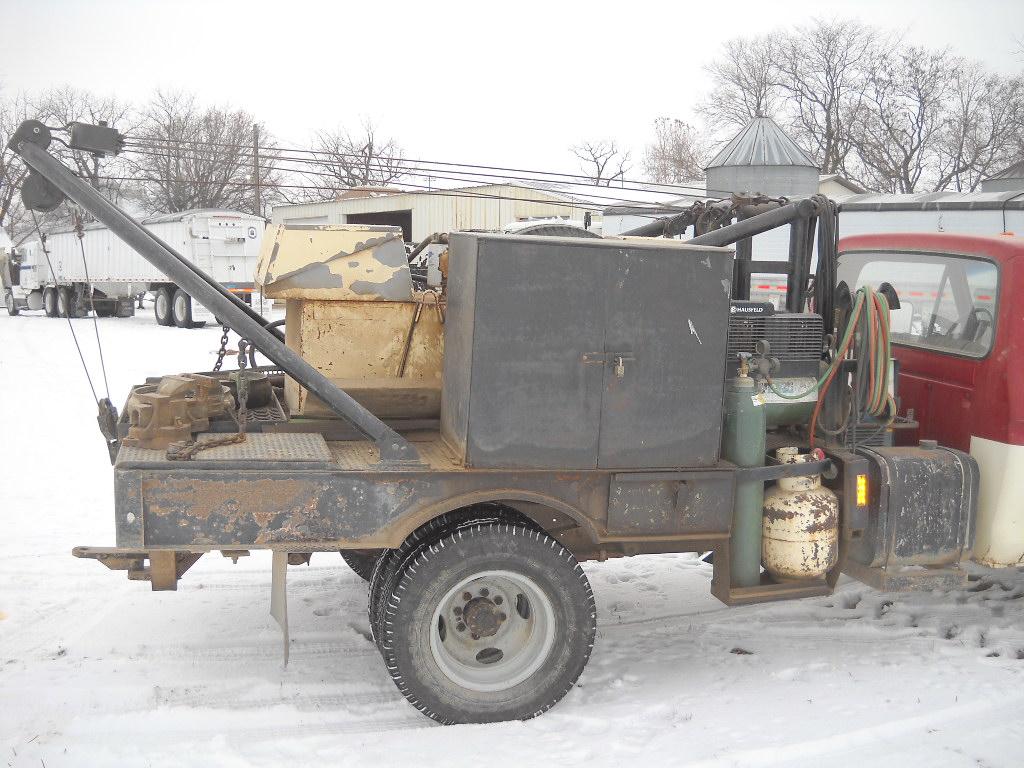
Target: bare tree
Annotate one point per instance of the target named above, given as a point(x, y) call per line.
point(345, 159)
point(602, 161)
point(745, 81)
point(196, 157)
point(824, 69)
point(898, 132)
point(13, 218)
point(811, 80)
point(984, 127)
point(677, 154)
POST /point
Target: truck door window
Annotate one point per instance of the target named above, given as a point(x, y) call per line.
point(947, 303)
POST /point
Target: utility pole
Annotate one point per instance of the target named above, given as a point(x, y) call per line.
point(257, 207)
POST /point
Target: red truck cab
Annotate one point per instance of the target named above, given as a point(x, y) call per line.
point(955, 337)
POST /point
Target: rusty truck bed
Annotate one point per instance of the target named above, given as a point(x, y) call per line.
point(299, 492)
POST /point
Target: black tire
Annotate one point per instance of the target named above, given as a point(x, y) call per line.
point(163, 298)
point(556, 230)
point(548, 627)
point(66, 302)
point(361, 561)
point(50, 302)
point(392, 562)
point(181, 308)
point(10, 303)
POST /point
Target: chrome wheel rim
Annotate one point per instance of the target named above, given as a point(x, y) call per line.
point(492, 630)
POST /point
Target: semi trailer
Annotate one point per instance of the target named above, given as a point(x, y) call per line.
point(554, 400)
point(70, 273)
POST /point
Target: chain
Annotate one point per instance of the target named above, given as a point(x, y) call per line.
point(186, 450)
point(223, 349)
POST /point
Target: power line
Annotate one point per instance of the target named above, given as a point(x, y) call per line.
point(437, 192)
point(636, 184)
point(581, 199)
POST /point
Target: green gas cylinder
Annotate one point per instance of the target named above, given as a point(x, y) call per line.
point(743, 443)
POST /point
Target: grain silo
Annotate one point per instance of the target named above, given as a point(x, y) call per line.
point(762, 158)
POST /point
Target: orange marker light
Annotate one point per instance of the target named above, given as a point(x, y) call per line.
point(862, 490)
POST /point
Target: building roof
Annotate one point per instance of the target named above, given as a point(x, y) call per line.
point(838, 179)
point(1015, 171)
point(761, 142)
point(160, 218)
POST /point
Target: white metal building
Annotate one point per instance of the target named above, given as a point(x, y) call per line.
point(420, 214)
point(1007, 180)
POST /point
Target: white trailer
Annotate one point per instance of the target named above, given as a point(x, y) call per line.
point(966, 213)
point(224, 244)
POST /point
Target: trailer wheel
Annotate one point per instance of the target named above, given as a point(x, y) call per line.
point(162, 299)
point(10, 303)
point(492, 622)
point(65, 302)
point(361, 561)
point(181, 308)
point(50, 302)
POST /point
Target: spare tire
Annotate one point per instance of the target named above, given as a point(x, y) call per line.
point(555, 230)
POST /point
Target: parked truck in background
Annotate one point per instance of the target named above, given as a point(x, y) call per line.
point(224, 244)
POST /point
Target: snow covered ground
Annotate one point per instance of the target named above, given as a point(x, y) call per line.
point(97, 670)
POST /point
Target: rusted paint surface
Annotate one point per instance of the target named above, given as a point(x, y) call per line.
point(317, 510)
point(388, 355)
point(670, 506)
point(800, 527)
point(922, 511)
point(350, 262)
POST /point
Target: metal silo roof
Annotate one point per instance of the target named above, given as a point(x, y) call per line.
point(761, 142)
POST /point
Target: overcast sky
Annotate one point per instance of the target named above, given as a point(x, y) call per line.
point(510, 83)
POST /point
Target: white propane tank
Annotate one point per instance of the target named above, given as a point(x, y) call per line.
point(801, 524)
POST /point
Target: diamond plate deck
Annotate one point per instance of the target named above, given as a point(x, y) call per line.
point(361, 455)
point(287, 447)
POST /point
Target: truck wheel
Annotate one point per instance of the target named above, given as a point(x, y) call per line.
point(361, 561)
point(65, 302)
point(392, 562)
point(50, 302)
point(9, 302)
point(181, 308)
point(492, 622)
point(162, 300)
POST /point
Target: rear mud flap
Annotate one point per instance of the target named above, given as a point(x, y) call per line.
point(279, 596)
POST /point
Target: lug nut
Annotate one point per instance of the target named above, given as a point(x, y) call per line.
point(460, 627)
point(484, 592)
point(457, 610)
point(498, 600)
point(502, 616)
point(466, 596)
point(474, 635)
